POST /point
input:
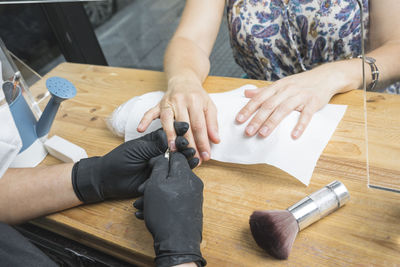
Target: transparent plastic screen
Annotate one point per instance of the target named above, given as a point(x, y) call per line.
point(382, 97)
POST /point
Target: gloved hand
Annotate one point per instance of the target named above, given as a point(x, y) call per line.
point(172, 209)
point(119, 173)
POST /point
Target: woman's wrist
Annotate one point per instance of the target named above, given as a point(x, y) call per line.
point(183, 77)
point(344, 75)
point(184, 83)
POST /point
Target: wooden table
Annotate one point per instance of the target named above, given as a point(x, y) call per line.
point(364, 232)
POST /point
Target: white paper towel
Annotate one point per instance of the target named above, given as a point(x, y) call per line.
point(296, 157)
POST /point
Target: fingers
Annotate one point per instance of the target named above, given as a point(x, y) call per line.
point(183, 115)
point(139, 203)
point(160, 166)
point(249, 93)
point(148, 117)
point(212, 123)
point(277, 116)
point(180, 172)
point(142, 187)
point(139, 214)
point(161, 139)
point(266, 109)
point(167, 121)
point(199, 130)
point(304, 120)
point(181, 143)
point(160, 170)
point(254, 103)
point(276, 108)
point(188, 152)
point(178, 165)
point(181, 127)
point(193, 162)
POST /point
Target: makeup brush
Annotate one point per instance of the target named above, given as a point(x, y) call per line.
point(276, 230)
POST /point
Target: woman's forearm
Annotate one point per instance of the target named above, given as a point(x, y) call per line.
point(187, 55)
point(185, 61)
point(384, 40)
point(345, 75)
point(387, 58)
point(29, 193)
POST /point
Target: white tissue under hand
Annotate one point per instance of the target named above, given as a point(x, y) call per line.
point(296, 157)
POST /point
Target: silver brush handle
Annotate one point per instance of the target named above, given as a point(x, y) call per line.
point(319, 204)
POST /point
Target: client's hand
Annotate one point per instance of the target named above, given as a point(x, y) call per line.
point(186, 101)
point(172, 210)
point(119, 173)
point(305, 92)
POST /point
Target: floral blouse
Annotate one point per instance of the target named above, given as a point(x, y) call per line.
point(272, 39)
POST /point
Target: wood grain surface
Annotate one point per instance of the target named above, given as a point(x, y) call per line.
point(365, 232)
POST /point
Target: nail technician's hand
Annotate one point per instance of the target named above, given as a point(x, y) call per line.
point(190, 103)
point(306, 92)
point(172, 210)
point(119, 173)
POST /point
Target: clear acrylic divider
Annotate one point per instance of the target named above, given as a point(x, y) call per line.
point(11, 65)
point(382, 114)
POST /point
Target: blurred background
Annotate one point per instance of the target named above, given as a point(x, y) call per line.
point(130, 33)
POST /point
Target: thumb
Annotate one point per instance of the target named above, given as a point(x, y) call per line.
point(181, 127)
point(154, 145)
point(178, 164)
point(142, 187)
point(160, 166)
point(158, 138)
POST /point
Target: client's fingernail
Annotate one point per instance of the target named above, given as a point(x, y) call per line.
point(250, 129)
point(172, 145)
point(240, 118)
point(296, 134)
point(140, 126)
point(205, 156)
point(264, 131)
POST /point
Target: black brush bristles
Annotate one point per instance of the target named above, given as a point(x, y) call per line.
point(274, 231)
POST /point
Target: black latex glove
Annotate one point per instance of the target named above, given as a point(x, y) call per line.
point(119, 173)
point(172, 209)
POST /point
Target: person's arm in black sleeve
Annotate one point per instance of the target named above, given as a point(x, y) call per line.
point(172, 210)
